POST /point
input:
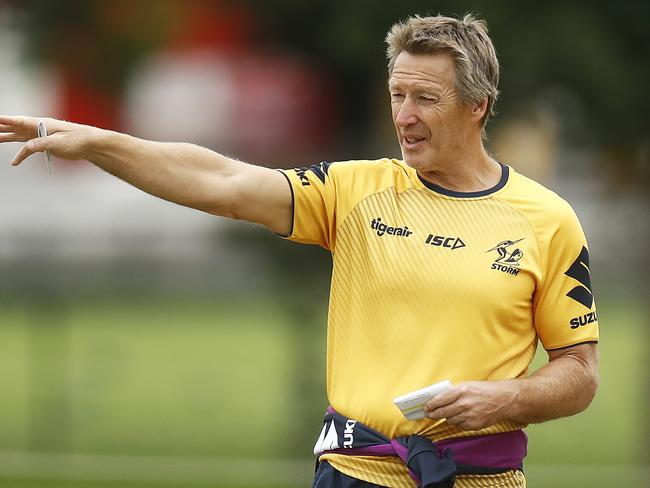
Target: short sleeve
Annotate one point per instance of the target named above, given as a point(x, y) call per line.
point(314, 205)
point(564, 308)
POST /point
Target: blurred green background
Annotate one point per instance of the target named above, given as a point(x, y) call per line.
point(147, 345)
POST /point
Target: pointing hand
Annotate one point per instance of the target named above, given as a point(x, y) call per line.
point(65, 139)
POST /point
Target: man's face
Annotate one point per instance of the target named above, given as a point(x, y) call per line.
point(430, 121)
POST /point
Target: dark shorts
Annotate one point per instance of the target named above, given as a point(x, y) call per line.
point(327, 477)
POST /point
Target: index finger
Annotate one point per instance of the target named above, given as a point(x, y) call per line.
point(18, 124)
point(24, 128)
point(443, 399)
point(12, 120)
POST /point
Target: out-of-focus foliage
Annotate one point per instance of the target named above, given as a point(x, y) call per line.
point(598, 51)
point(594, 54)
point(97, 39)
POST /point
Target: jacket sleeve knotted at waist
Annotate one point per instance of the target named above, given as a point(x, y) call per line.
point(430, 464)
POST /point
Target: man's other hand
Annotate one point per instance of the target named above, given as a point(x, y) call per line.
point(473, 405)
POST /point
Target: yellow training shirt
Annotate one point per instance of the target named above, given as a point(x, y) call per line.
point(430, 284)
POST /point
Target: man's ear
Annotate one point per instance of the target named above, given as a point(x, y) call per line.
point(478, 110)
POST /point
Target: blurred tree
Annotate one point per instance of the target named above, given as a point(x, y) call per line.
point(598, 51)
point(96, 44)
point(93, 45)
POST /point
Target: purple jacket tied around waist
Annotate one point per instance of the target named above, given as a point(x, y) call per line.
point(430, 464)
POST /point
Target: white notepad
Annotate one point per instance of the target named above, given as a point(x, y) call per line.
point(412, 404)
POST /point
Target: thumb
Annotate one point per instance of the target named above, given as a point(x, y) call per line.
point(32, 146)
point(38, 144)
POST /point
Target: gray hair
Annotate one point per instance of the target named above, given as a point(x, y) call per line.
point(466, 40)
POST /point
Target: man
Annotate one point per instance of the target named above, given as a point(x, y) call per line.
point(447, 265)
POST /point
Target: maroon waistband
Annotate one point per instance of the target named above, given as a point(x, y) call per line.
point(505, 450)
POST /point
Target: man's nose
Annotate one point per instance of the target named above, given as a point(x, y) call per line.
point(406, 114)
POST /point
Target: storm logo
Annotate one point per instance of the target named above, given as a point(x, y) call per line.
point(508, 257)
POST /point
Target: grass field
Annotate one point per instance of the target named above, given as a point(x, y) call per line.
point(176, 380)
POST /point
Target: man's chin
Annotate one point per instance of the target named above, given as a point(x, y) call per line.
point(414, 161)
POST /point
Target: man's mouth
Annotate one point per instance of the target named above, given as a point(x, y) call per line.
point(412, 142)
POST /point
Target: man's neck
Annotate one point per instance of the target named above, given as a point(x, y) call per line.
point(467, 173)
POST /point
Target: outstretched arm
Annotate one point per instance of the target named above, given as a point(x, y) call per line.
point(182, 173)
point(565, 386)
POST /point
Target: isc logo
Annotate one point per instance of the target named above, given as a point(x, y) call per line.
point(442, 241)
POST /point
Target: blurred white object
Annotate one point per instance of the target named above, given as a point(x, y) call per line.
point(182, 96)
point(42, 132)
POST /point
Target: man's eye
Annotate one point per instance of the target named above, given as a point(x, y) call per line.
point(397, 96)
point(429, 99)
